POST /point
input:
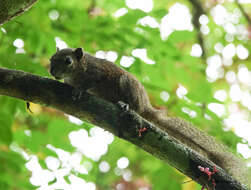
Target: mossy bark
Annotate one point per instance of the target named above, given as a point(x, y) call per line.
point(12, 8)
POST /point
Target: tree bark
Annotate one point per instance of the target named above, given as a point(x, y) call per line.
point(12, 8)
point(111, 117)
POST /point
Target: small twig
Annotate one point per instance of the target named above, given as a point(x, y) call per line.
point(243, 12)
point(198, 10)
point(92, 6)
point(28, 107)
point(187, 181)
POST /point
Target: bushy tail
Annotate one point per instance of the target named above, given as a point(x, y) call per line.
point(200, 142)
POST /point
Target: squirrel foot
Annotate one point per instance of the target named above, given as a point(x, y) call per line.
point(123, 106)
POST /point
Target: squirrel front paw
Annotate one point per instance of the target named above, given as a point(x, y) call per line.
point(123, 106)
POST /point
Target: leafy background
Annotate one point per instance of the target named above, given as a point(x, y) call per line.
point(38, 141)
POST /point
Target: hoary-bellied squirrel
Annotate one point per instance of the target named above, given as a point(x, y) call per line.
point(108, 81)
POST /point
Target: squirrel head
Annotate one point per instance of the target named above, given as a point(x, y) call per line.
point(64, 61)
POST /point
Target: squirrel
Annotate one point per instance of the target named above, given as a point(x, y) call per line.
point(110, 82)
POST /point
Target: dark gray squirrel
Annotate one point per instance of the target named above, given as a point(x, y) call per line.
point(110, 82)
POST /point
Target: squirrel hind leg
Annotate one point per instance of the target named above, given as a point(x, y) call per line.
point(161, 111)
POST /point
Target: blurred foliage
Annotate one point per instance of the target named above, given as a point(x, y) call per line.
point(22, 133)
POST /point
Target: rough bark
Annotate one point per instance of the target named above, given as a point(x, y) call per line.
point(12, 8)
point(52, 93)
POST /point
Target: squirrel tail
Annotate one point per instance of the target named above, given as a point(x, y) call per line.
point(200, 142)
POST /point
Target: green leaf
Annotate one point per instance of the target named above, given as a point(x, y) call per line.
point(9, 107)
point(181, 36)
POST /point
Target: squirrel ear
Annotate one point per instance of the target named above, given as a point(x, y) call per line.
point(78, 52)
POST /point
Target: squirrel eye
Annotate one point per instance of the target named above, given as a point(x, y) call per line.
point(68, 60)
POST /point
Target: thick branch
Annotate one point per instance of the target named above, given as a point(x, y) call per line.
point(12, 8)
point(52, 93)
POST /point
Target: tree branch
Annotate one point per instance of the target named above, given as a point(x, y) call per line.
point(243, 12)
point(198, 10)
point(12, 8)
point(52, 93)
